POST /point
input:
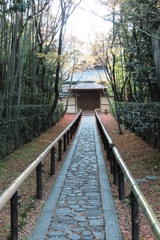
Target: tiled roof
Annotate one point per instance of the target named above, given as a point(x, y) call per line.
point(89, 76)
point(87, 86)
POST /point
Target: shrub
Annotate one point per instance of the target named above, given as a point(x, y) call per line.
point(25, 123)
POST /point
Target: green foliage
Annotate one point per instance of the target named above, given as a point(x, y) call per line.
point(20, 6)
point(142, 118)
point(140, 21)
point(26, 122)
point(127, 52)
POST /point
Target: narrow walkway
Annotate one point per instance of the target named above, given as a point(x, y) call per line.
point(80, 205)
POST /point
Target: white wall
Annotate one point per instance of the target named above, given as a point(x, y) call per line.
point(72, 109)
point(71, 104)
point(104, 103)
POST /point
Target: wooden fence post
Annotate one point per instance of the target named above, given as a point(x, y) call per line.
point(53, 161)
point(120, 183)
point(135, 217)
point(64, 142)
point(39, 181)
point(14, 216)
point(60, 150)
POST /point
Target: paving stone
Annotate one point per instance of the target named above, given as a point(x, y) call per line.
point(97, 222)
point(99, 235)
point(56, 234)
point(89, 207)
point(60, 226)
point(63, 210)
point(74, 207)
point(86, 233)
point(88, 238)
point(81, 202)
point(80, 219)
point(69, 222)
point(83, 224)
point(71, 202)
point(97, 229)
point(93, 213)
point(153, 178)
point(80, 209)
point(141, 180)
point(57, 238)
point(74, 237)
point(77, 230)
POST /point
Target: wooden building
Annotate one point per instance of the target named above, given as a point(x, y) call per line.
point(85, 93)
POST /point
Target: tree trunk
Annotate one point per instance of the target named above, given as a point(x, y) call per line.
point(156, 54)
point(56, 87)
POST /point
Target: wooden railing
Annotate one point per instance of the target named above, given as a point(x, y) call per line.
point(120, 171)
point(11, 193)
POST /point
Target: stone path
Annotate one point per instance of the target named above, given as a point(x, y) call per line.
point(80, 205)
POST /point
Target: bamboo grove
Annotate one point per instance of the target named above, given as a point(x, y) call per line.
point(31, 63)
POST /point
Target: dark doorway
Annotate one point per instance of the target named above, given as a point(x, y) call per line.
point(88, 100)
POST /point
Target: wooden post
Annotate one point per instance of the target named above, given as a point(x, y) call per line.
point(14, 216)
point(53, 161)
point(71, 132)
point(135, 217)
point(60, 150)
point(111, 160)
point(68, 137)
point(120, 183)
point(64, 142)
point(109, 150)
point(115, 171)
point(39, 181)
point(74, 128)
point(105, 143)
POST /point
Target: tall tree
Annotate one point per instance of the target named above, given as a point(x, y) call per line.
point(67, 8)
point(134, 26)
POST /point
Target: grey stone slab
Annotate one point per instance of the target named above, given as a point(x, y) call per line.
point(89, 238)
point(92, 194)
point(141, 180)
point(99, 235)
point(93, 213)
point(74, 236)
point(80, 219)
point(112, 231)
point(96, 222)
point(153, 178)
point(112, 227)
point(83, 224)
point(96, 228)
point(77, 230)
point(80, 210)
point(86, 233)
point(64, 211)
point(74, 207)
point(72, 202)
point(59, 218)
point(56, 226)
point(56, 234)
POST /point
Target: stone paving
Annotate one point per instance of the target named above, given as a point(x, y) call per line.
point(80, 205)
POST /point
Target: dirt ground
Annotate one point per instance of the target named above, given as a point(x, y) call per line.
point(141, 159)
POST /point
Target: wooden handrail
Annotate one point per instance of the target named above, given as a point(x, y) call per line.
point(15, 185)
point(146, 209)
